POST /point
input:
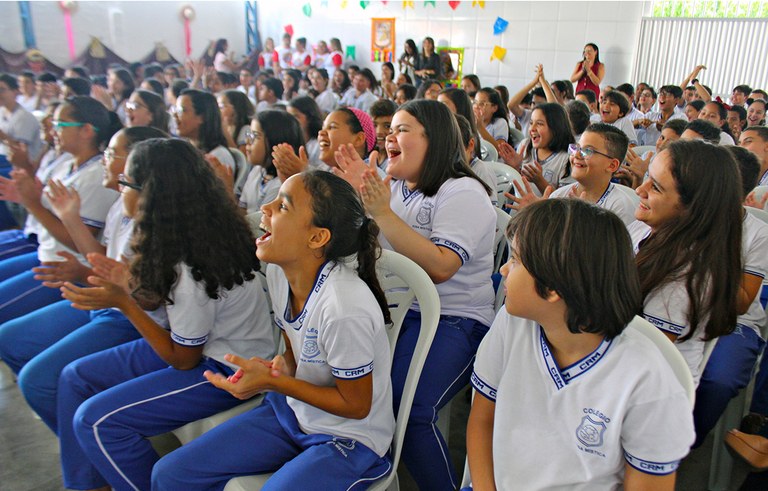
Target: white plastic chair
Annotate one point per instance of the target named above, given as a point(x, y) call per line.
point(500, 241)
point(242, 168)
point(402, 281)
point(641, 149)
point(629, 192)
point(505, 176)
point(759, 214)
point(488, 152)
point(759, 193)
point(254, 223)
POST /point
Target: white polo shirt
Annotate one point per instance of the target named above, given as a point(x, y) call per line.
point(612, 199)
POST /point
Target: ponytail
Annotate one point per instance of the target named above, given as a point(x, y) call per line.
point(368, 253)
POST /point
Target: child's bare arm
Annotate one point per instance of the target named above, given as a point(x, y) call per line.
point(635, 480)
point(480, 443)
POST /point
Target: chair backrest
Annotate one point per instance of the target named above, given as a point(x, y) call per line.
point(759, 193)
point(403, 281)
point(759, 214)
point(629, 192)
point(670, 353)
point(254, 222)
point(242, 168)
point(500, 241)
point(488, 152)
point(640, 150)
point(505, 176)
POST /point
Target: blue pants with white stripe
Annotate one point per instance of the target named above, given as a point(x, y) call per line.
point(38, 346)
point(20, 292)
point(14, 243)
point(110, 402)
point(268, 439)
point(727, 372)
point(446, 371)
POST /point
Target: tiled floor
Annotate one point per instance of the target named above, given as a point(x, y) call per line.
point(29, 451)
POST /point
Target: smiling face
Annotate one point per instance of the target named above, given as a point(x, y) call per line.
point(187, 121)
point(484, 108)
point(667, 101)
point(256, 146)
point(691, 113)
point(226, 109)
point(597, 167)
point(114, 160)
point(541, 135)
point(336, 131)
point(382, 125)
point(432, 92)
point(711, 112)
point(738, 98)
point(130, 195)
point(659, 199)
point(137, 113)
point(467, 86)
point(666, 137)
point(755, 113)
point(407, 147)
point(646, 100)
point(751, 140)
point(610, 112)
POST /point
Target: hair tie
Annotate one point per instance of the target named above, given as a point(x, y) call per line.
point(368, 128)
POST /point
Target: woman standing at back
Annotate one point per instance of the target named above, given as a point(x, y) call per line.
point(590, 71)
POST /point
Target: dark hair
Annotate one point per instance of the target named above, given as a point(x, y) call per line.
point(27, 74)
point(323, 73)
point(46, 77)
point(427, 84)
point(156, 106)
point(178, 85)
point(409, 91)
point(296, 76)
point(597, 51)
point(353, 67)
point(474, 79)
point(762, 131)
point(127, 79)
point(302, 41)
point(504, 93)
point(279, 127)
point(414, 50)
point(564, 86)
point(702, 245)
point(673, 90)
point(589, 94)
point(538, 92)
point(463, 105)
point(9, 80)
point(210, 134)
point(382, 107)
point(367, 73)
point(465, 128)
point(79, 86)
point(706, 129)
point(554, 240)
point(157, 87)
point(85, 109)
point(743, 88)
point(178, 188)
point(345, 83)
point(619, 99)
point(407, 79)
point(336, 206)
point(676, 125)
point(138, 134)
point(151, 69)
point(243, 110)
point(697, 104)
point(390, 66)
point(722, 112)
point(649, 89)
point(578, 115)
point(134, 68)
point(219, 46)
point(446, 157)
point(616, 142)
point(81, 71)
point(742, 113)
point(495, 98)
point(761, 92)
point(309, 108)
point(275, 86)
point(626, 89)
point(749, 167)
point(559, 127)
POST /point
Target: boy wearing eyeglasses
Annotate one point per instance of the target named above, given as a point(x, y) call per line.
point(599, 153)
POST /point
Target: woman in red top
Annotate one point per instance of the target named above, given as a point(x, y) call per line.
point(589, 72)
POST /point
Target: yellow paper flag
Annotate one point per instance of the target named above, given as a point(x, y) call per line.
point(498, 53)
point(343, 4)
point(478, 3)
point(408, 3)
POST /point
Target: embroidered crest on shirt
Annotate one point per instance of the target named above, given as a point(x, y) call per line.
point(591, 431)
point(424, 217)
point(310, 349)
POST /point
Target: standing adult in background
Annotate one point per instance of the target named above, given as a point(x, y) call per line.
point(221, 61)
point(590, 71)
point(408, 59)
point(336, 58)
point(428, 63)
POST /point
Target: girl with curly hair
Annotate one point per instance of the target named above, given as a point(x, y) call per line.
point(194, 255)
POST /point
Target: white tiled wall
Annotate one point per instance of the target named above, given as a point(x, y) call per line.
point(552, 33)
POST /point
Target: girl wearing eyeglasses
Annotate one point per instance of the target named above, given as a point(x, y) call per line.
point(194, 256)
point(82, 126)
point(268, 128)
point(145, 108)
point(491, 115)
point(37, 346)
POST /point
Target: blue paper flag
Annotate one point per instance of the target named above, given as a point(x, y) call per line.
point(500, 26)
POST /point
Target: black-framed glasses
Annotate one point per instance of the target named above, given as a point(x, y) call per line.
point(587, 153)
point(122, 182)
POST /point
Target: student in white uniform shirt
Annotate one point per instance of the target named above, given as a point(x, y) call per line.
point(381, 113)
point(27, 91)
point(686, 234)
point(270, 93)
point(336, 58)
point(110, 402)
point(594, 160)
point(198, 120)
point(732, 362)
point(436, 211)
point(326, 99)
point(83, 127)
point(716, 113)
point(16, 123)
point(483, 171)
point(614, 110)
point(327, 419)
point(548, 413)
point(38, 346)
point(755, 139)
point(285, 54)
point(542, 158)
point(268, 129)
point(360, 96)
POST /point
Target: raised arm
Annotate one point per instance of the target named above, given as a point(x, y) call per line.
point(695, 73)
point(515, 100)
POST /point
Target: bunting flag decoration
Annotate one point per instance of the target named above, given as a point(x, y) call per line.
point(407, 3)
point(454, 4)
point(498, 53)
point(351, 52)
point(364, 4)
point(289, 29)
point(307, 9)
point(478, 3)
point(343, 4)
point(429, 2)
point(500, 26)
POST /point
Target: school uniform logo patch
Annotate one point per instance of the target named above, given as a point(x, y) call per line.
point(424, 217)
point(590, 432)
point(310, 349)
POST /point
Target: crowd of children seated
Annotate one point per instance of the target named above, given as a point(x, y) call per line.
point(135, 297)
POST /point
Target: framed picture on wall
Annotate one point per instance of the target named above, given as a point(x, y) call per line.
point(383, 39)
point(452, 60)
